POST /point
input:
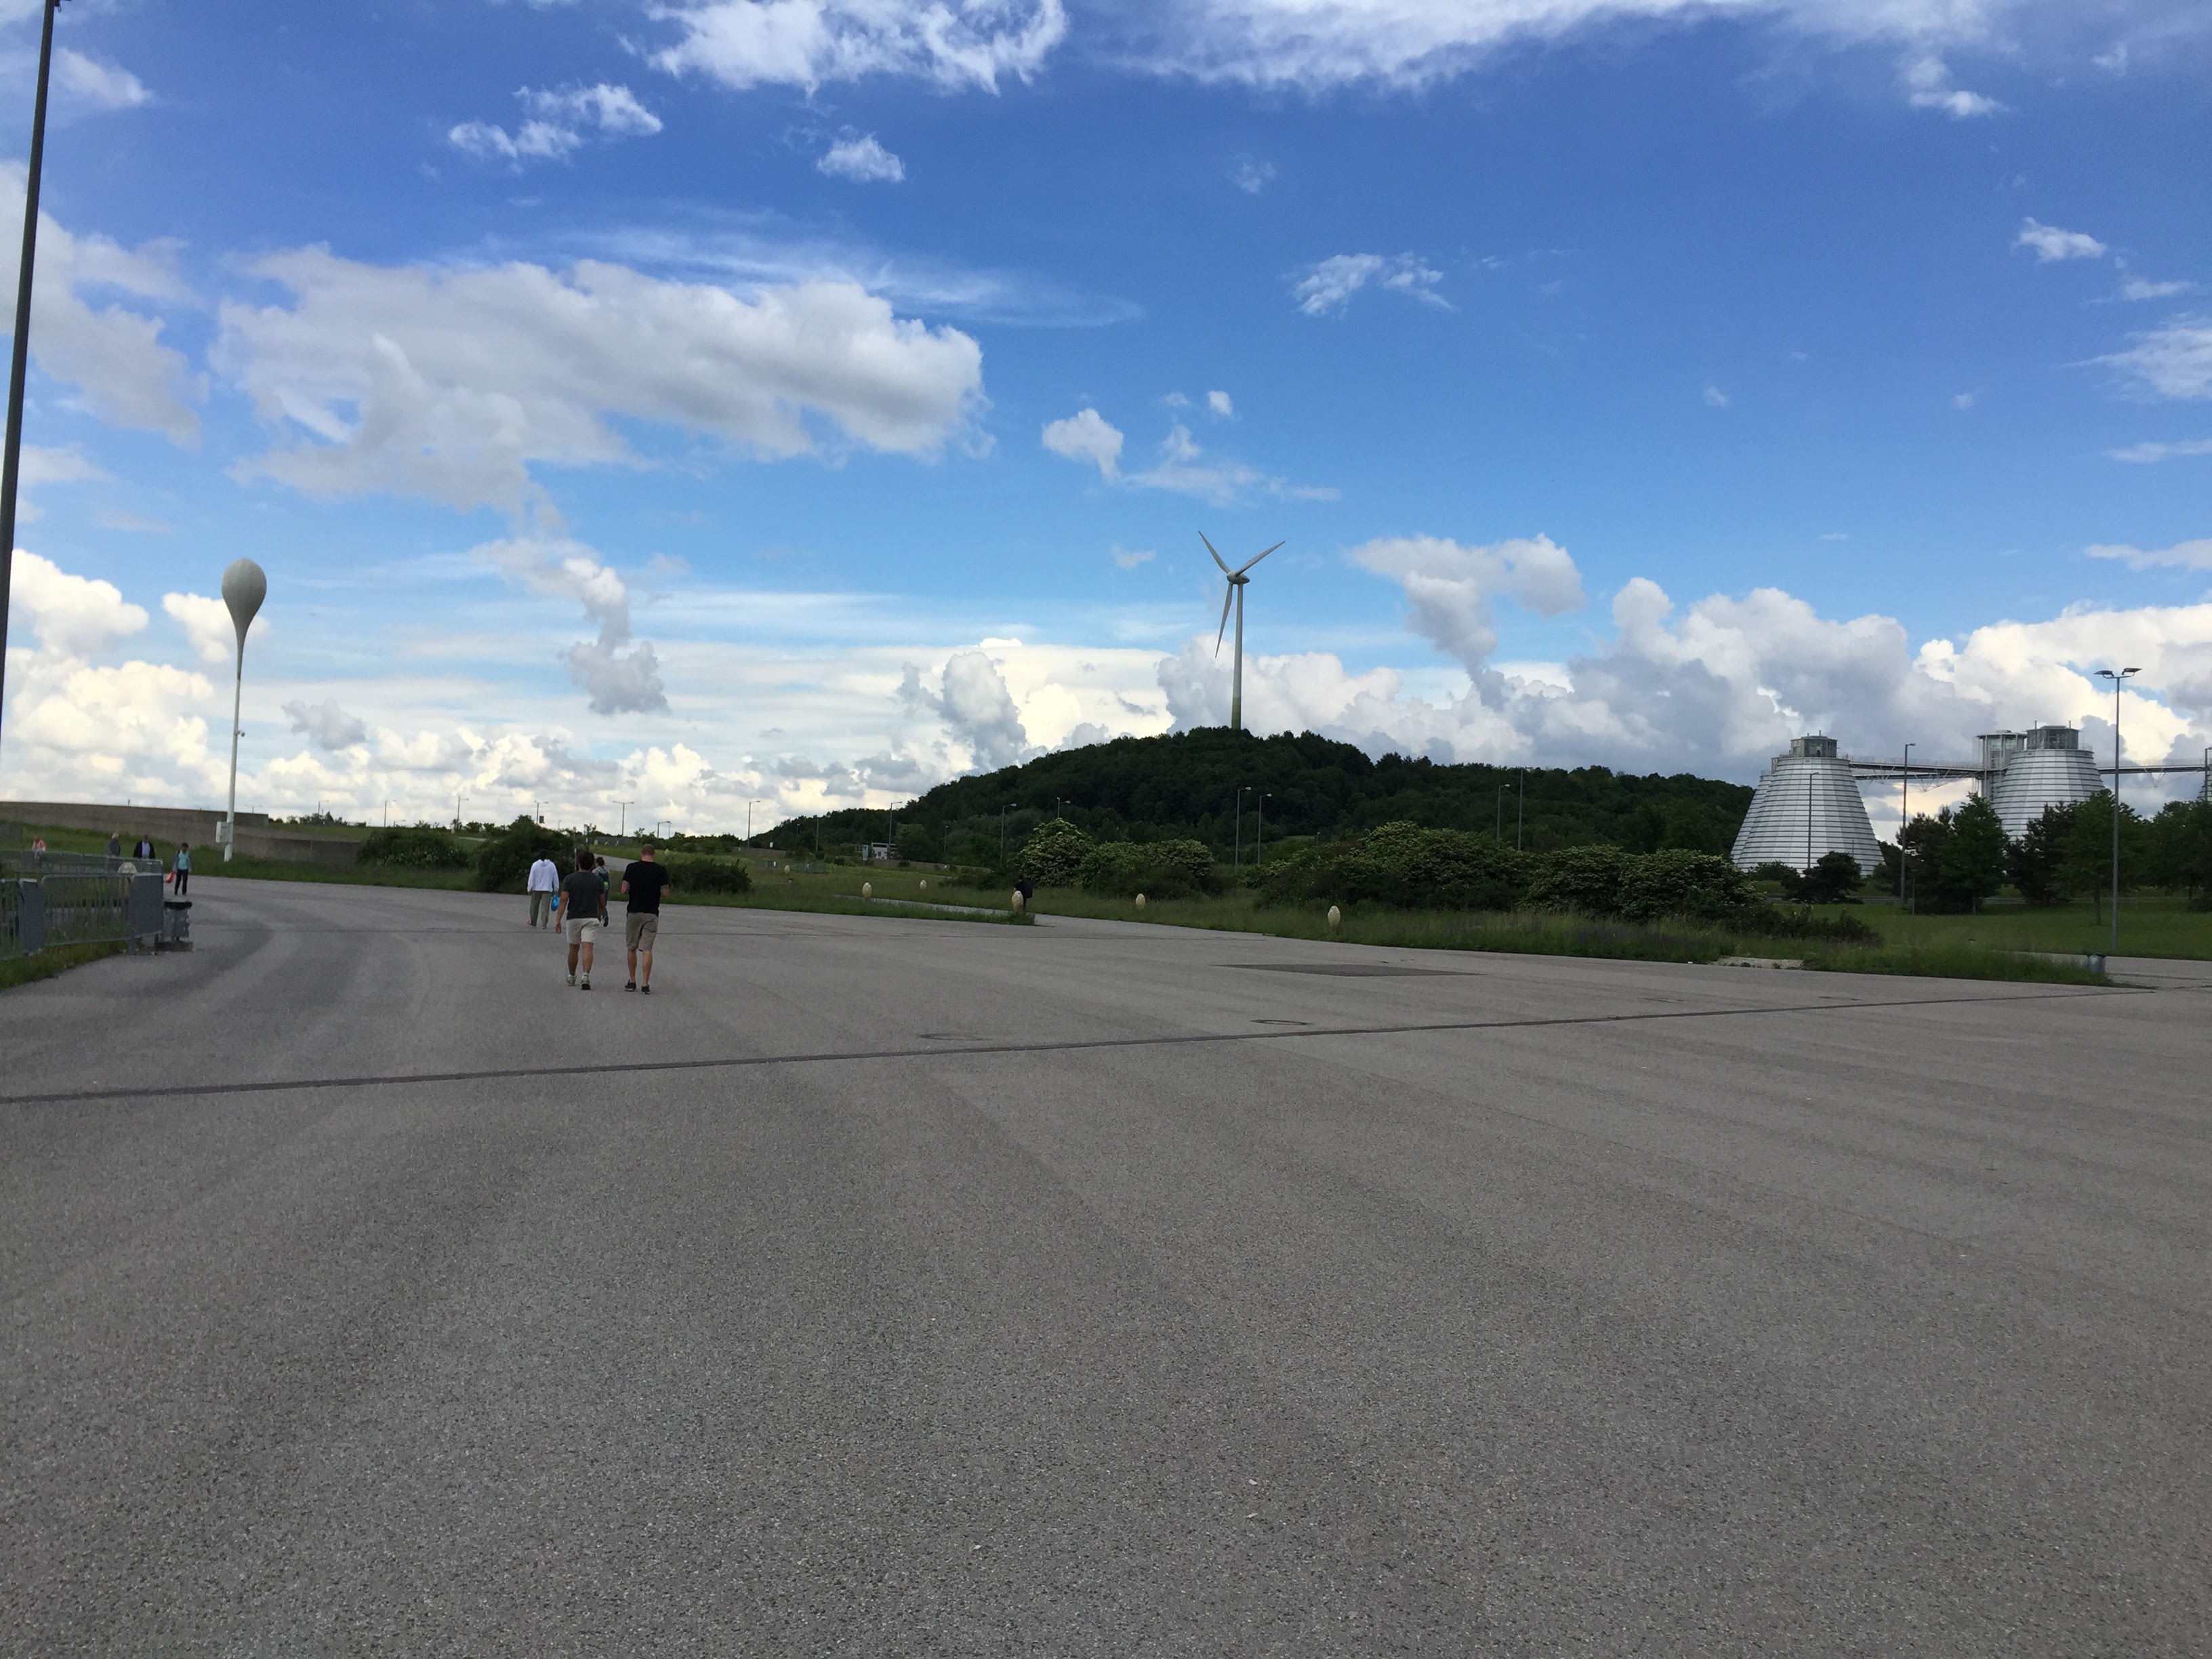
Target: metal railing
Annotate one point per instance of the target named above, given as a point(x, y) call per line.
point(78, 910)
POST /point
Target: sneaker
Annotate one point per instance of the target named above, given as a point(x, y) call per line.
point(632, 986)
point(646, 989)
point(572, 979)
point(585, 984)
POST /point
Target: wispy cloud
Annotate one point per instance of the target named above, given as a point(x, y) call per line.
point(1927, 80)
point(559, 121)
point(2172, 361)
point(860, 157)
point(1329, 285)
point(2182, 555)
point(2049, 244)
point(2144, 454)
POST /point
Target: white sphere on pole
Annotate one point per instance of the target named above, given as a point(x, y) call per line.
point(1336, 918)
point(245, 584)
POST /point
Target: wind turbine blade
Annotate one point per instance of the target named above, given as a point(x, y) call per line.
point(1217, 557)
point(1227, 599)
point(1254, 559)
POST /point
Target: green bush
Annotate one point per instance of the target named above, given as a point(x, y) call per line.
point(1052, 855)
point(413, 849)
point(707, 876)
point(503, 862)
point(1587, 881)
point(1160, 869)
point(1401, 865)
point(1702, 885)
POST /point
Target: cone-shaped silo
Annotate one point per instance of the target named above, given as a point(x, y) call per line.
point(2051, 769)
point(1807, 805)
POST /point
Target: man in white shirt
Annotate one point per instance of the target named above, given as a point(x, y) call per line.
point(544, 883)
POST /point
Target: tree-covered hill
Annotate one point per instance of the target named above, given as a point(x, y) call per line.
point(1186, 784)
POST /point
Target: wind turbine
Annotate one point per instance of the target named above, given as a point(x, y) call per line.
point(1235, 596)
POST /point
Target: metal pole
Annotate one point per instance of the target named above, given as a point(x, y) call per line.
point(1236, 854)
point(1236, 690)
point(622, 825)
point(1904, 817)
point(2116, 681)
point(11, 464)
point(1520, 808)
point(1498, 831)
point(1260, 834)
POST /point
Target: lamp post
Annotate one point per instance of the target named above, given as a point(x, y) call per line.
point(2118, 680)
point(622, 825)
point(1260, 833)
point(1520, 808)
point(11, 461)
point(749, 819)
point(1498, 830)
point(1903, 819)
point(244, 587)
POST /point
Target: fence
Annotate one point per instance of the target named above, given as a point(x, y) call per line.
point(78, 910)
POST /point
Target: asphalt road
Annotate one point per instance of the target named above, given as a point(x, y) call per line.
point(888, 1287)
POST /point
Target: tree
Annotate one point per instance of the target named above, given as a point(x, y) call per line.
point(1052, 855)
point(1830, 881)
point(1970, 864)
point(2180, 849)
point(2086, 864)
point(2033, 861)
point(1920, 844)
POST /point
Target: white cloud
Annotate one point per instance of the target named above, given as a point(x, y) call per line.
point(1129, 560)
point(113, 356)
point(71, 615)
point(862, 160)
point(42, 465)
point(2048, 243)
point(1185, 469)
point(2172, 361)
point(2137, 288)
point(326, 725)
point(977, 707)
point(452, 383)
point(559, 121)
point(1250, 175)
point(1965, 400)
point(1715, 397)
point(807, 43)
point(1219, 403)
point(1328, 285)
point(2143, 454)
point(1927, 81)
point(2182, 555)
point(1449, 588)
point(105, 84)
point(1317, 43)
point(207, 626)
point(619, 676)
point(1086, 436)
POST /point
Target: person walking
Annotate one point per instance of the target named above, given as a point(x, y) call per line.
point(145, 850)
point(543, 884)
point(183, 866)
point(644, 881)
point(114, 850)
point(582, 907)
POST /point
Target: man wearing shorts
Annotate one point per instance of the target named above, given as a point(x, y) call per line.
point(644, 882)
point(583, 898)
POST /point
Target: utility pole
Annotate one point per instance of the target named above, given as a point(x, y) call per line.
point(11, 464)
point(622, 825)
point(2118, 680)
point(749, 819)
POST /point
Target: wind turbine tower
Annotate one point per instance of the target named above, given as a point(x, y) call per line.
point(1234, 597)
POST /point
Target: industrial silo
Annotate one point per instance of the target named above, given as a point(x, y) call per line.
point(2050, 768)
point(1807, 805)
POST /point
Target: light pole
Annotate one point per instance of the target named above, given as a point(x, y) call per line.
point(1904, 819)
point(2118, 680)
point(1260, 833)
point(622, 825)
point(1498, 830)
point(1520, 808)
point(748, 819)
point(1002, 832)
point(11, 463)
point(244, 587)
point(387, 815)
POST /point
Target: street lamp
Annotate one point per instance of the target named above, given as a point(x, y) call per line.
point(748, 819)
point(11, 462)
point(244, 587)
point(1498, 830)
point(2118, 680)
point(622, 825)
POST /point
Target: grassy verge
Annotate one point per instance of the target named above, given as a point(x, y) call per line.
point(1960, 961)
point(2151, 925)
point(23, 970)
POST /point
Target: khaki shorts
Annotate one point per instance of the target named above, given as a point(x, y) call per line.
point(583, 930)
point(641, 929)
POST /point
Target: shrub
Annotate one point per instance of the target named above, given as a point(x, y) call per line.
point(707, 876)
point(413, 849)
point(503, 862)
point(1401, 865)
point(1587, 879)
point(1702, 885)
point(1052, 855)
point(1160, 869)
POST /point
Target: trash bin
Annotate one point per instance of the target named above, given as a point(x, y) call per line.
point(176, 925)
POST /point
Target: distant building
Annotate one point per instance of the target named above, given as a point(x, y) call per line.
point(879, 852)
point(1807, 806)
point(2025, 772)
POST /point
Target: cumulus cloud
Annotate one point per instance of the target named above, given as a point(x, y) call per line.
point(1251, 174)
point(71, 614)
point(558, 122)
point(808, 43)
point(977, 707)
point(619, 676)
point(326, 725)
point(1318, 44)
point(2137, 287)
point(1221, 405)
point(1450, 589)
point(207, 625)
point(1087, 436)
point(2182, 555)
point(863, 159)
point(1328, 286)
point(2049, 244)
point(1927, 80)
point(2172, 361)
point(110, 352)
point(107, 85)
point(453, 383)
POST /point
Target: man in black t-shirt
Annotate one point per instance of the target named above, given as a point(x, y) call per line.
point(644, 882)
point(583, 900)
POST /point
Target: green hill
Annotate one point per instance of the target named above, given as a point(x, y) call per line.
point(1185, 785)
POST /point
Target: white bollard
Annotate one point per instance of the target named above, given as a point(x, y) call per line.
point(925, 884)
point(867, 890)
point(1017, 900)
point(1140, 901)
point(1336, 918)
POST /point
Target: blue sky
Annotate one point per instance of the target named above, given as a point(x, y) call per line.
point(709, 401)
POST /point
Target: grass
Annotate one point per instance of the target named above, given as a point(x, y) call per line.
point(25, 970)
point(2151, 925)
point(1959, 961)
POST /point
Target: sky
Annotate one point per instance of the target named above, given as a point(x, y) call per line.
point(704, 410)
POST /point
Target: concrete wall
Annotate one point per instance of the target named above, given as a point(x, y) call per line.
point(257, 839)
